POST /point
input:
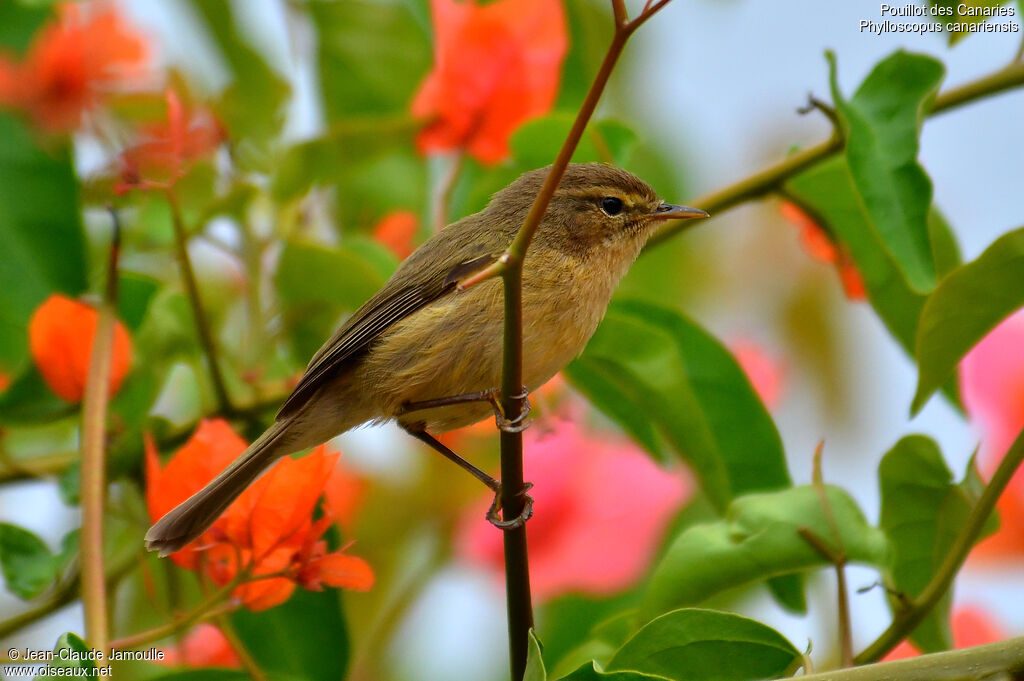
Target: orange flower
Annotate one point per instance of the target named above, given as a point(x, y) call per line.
point(268, 530)
point(820, 246)
point(396, 230)
point(60, 336)
point(495, 67)
point(203, 646)
point(71, 64)
point(167, 149)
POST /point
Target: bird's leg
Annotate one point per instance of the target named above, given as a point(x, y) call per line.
point(516, 425)
point(417, 431)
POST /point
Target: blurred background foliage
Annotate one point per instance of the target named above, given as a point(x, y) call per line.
point(296, 180)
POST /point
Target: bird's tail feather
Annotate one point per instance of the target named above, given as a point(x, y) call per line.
point(192, 517)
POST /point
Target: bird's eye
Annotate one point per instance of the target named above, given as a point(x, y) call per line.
point(611, 205)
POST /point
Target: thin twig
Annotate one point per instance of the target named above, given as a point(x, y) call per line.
point(510, 267)
point(94, 430)
point(210, 607)
point(839, 559)
point(771, 178)
point(905, 621)
point(236, 643)
point(188, 277)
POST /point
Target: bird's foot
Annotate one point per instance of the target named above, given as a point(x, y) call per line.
point(518, 521)
point(517, 424)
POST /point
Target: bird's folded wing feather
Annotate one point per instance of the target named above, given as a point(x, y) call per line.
point(391, 304)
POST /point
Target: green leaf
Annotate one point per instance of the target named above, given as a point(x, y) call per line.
point(26, 563)
point(306, 637)
point(647, 359)
point(317, 285)
point(705, 645)
point(134, 294)
point(591, 671)
point(536, 143)
point(826, 191)
point(28, 400)
point(534, 662)
point(253, 105)
point(965, 306)
point(40, 229)
point(923, 511)
point(758, 539)
point(372, 56)
point(71, 653)
point(881, 124)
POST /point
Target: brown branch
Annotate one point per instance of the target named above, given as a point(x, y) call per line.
point(510, 267)
point(768, 180)
point(188, 277)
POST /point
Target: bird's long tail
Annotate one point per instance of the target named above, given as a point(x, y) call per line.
point(192, 517)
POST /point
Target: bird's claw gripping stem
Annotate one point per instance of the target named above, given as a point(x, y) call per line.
point(518, 521)
point(519, 423)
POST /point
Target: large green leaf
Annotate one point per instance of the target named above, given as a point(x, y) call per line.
point(305, 638)
point(923, 511)
point(651, 365)
point(881, 124)
point(29, 400)
point(758, 538)
point(592, 672)
point(40, 229)
point(26, 562)
point(372, 56)
point(965, 306)
point(705, 645)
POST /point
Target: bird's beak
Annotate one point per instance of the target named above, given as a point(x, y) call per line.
point(668, 211)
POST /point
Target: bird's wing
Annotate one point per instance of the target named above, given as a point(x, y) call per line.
point(391, 304)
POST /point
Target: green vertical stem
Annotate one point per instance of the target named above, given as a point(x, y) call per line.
point(188, 277)
point(93, 483)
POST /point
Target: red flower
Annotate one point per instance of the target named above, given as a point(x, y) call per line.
point(819, 246)
point(601, 508)
point(203, 646)
point(766, 373)
point(166, 149)
point(268, 530)
point(992, 381)
point(60, 336)
point(971, 627)
point(495, 67)
point(397, 230)
point(71, 64)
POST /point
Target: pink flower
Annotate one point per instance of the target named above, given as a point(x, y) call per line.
point(971, 626)
point(765, 371)
point(601, 507)
point(203, 646)
point(992, 381)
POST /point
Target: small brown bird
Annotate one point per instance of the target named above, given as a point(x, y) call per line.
point(428, 355)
